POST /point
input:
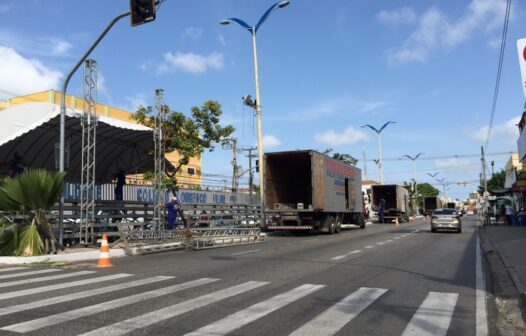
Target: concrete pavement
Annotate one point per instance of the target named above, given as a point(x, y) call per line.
point(509, 242)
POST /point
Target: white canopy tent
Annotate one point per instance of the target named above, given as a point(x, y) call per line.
point(32, 130)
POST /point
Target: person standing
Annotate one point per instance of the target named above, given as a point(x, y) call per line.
point(381, 212)
point(172, 208)
point(16, 166)
point(119, 186)
point(509, 214)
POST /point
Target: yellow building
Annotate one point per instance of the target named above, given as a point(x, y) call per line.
point(189, 175)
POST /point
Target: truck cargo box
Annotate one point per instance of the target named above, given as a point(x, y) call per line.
point(313, 184)
point(395, 199)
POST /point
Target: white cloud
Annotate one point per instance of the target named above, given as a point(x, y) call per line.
point(23, 75)
point(41, 46)
point(436, 31)
point(59, 46)
point(451, 163)
point(193, 32)
point(221, 39)
point(190, 62)
point(6, 7)
point(397, 16)
point(330, 107)
point(136, 101)
point(507, 132)
point(270, 141)
point(348, 137)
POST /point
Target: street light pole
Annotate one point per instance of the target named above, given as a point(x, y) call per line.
point(253, 30)
point(378, 131)
point(413, 158)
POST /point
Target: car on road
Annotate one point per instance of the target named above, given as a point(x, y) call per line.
point(446, 220)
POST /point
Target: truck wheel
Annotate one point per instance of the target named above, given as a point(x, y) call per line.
point(338, 228)
point(331, 224)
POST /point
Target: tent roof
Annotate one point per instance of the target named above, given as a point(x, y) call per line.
point(32, 130)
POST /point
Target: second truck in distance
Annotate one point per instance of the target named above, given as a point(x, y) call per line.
point(395, 199)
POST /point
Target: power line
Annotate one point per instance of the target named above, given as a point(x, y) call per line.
point(499, 71)
point(459, 156)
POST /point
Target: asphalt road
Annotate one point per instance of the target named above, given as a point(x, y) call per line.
point(384, 280)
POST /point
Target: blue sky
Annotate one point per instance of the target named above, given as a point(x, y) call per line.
point(326, 68)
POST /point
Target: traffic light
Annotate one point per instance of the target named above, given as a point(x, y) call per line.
point(142, 11)
point(257, 166)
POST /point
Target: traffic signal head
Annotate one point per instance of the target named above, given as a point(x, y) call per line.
point(142, 11)
point(257, 166)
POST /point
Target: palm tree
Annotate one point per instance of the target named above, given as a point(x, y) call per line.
point(33, 192)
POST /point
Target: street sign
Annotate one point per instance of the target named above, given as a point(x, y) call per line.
point(521, 47)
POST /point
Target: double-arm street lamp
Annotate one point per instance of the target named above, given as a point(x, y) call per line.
point(253, 30)
point(415, 190)
point(378, 131)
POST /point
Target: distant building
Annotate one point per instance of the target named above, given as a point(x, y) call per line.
point(189, 176)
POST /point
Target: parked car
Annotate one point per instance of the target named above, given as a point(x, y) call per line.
point(446, 219)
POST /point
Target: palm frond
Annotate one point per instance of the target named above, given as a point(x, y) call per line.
point(30, 243)
point(8, 239)
point(34, 189)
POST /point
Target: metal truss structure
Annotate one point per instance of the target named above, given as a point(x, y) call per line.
point(159, 201)
point(89, 134)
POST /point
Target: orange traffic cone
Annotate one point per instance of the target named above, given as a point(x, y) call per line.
point(396, 221)
point(104, 258)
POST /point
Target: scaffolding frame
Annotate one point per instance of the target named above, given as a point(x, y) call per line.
point(159, 201)
point(88, 122)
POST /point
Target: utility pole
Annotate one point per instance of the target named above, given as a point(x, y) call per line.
point(483, 158)
point(231, 143)
point(250, 173)
point(364, 163)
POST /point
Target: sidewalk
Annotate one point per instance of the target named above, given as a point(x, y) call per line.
point(68, 255)
point(510, 243)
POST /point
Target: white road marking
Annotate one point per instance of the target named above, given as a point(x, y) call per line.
point(81, 295)
point(311, 240)
point(157, 316)
point(380, 243)
point(346, 255)
point(433, 316)
point(482, 315)
point(102, 307)
point(254, 312)
point(234, 254)
point(12, 269)
point(389, 241)
point(49, 288)
point(23, 274)
point(369, 246)
point(396, 237)
point(46, 278)
point(336, 317)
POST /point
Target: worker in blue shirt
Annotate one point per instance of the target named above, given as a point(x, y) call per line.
point(172, 208)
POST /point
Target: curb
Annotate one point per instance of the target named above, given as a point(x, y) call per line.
point(517, 282)
point(80, 256)
point(511, 270)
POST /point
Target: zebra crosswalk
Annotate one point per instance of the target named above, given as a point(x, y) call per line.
point(432, 317)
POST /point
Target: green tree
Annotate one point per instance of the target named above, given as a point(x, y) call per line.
point(427, 190)
point(190, 136)
point(32, 193)
point(495, 182)
point(424, 190)
point(345, 158)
